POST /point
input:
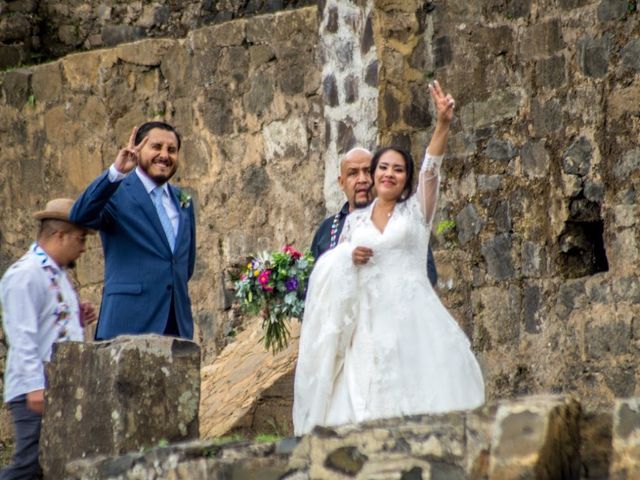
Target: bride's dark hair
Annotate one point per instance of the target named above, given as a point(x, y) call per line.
point(408, 163)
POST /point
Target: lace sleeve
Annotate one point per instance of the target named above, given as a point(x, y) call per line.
point(429, 186)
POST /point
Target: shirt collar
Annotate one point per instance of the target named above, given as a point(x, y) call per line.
point(344, 211)
point(148, 183)
point(45, 260)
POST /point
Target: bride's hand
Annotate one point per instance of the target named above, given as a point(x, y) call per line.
point(361, 255)
point(444, 103)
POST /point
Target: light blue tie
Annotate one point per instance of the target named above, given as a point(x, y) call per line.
point(156, 195)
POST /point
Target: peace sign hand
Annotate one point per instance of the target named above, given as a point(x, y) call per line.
point(129, 156)
point(444, 103)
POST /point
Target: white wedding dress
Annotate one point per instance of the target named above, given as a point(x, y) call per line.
point(376, 341)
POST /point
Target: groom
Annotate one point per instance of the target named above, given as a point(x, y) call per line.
point(148, 236)
point(355, 181)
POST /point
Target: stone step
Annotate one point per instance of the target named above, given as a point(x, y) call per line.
point(546, 437)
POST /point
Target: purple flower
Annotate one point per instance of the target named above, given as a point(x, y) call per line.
point(291, 284)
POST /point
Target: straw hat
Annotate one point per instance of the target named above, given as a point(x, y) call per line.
point(56, 209)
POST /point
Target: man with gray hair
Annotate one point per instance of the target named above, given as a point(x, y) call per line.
point(356, 182)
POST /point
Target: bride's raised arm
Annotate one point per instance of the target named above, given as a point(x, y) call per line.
point(429, 178)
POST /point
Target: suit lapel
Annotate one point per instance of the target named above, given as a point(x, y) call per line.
point(141, 197)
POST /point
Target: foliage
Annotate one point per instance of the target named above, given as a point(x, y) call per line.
point(273, 285)
point(267, 438)
point(445, 226)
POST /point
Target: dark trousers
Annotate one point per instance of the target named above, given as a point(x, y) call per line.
point(24, 464)
point(171, 329)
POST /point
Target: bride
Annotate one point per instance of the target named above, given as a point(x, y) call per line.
point(376, 342)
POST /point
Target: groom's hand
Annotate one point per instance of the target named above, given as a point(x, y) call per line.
point(129, 156)
point(361, 255)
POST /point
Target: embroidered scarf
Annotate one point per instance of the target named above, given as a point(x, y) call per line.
point(63, 310)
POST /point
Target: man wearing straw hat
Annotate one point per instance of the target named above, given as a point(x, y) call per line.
point(40, 307)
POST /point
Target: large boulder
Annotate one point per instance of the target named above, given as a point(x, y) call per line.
point(117, 396)
point(248, 390)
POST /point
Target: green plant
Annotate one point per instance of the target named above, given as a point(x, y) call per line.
point(632, 6)
point(267, 438)
point(31, 101)
point(236, 437)
point(445, 227)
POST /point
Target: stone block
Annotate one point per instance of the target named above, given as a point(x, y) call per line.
point(502, 217)
point(489, 183)
point(605, 336)
point(501, 150)
point(350, 89)
point(46, 82)
point(442, 51)
point(116, 34)
point(14, 28)
point(203, 460)
point(247, 386)
point(576, 160)
point(503, 105)
point(593, 55)
point(416, 113)
point(593, 191)
point(535, 159)
point(612, 10)
point(547, 117)
point(285, 139)
point(537, 437)
point(497, 253)
point(534, 259)
point(625, 215)
point(12, 55)
point(493, 40)
point(330, 90)
point(631, 55)
point(629, 163)
point(260, 94)
point(531, 306)
point(131, 393)
point(541, 40)
point(148, 53)
point(626, 440)
point(371, 74)
point(468, 224)
point(16, 87)
point(551, 72)
point(595, 450)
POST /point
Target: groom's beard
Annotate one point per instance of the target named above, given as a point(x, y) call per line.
point(367, 201)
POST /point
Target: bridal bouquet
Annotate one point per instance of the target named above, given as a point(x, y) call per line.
point(273, 285)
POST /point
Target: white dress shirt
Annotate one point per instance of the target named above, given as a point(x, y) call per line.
point(149, 185)
point(39, 308)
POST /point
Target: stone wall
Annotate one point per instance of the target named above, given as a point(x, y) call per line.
point(244, 95)
point(540, 180)
point(536, 234)
point(349, 84)
point(33, 30)
point(541, 437)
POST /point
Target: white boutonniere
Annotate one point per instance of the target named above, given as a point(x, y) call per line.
point(185, 199)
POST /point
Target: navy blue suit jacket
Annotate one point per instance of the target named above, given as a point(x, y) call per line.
point(141, 274)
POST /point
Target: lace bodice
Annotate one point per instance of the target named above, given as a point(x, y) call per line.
point(404, 242)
